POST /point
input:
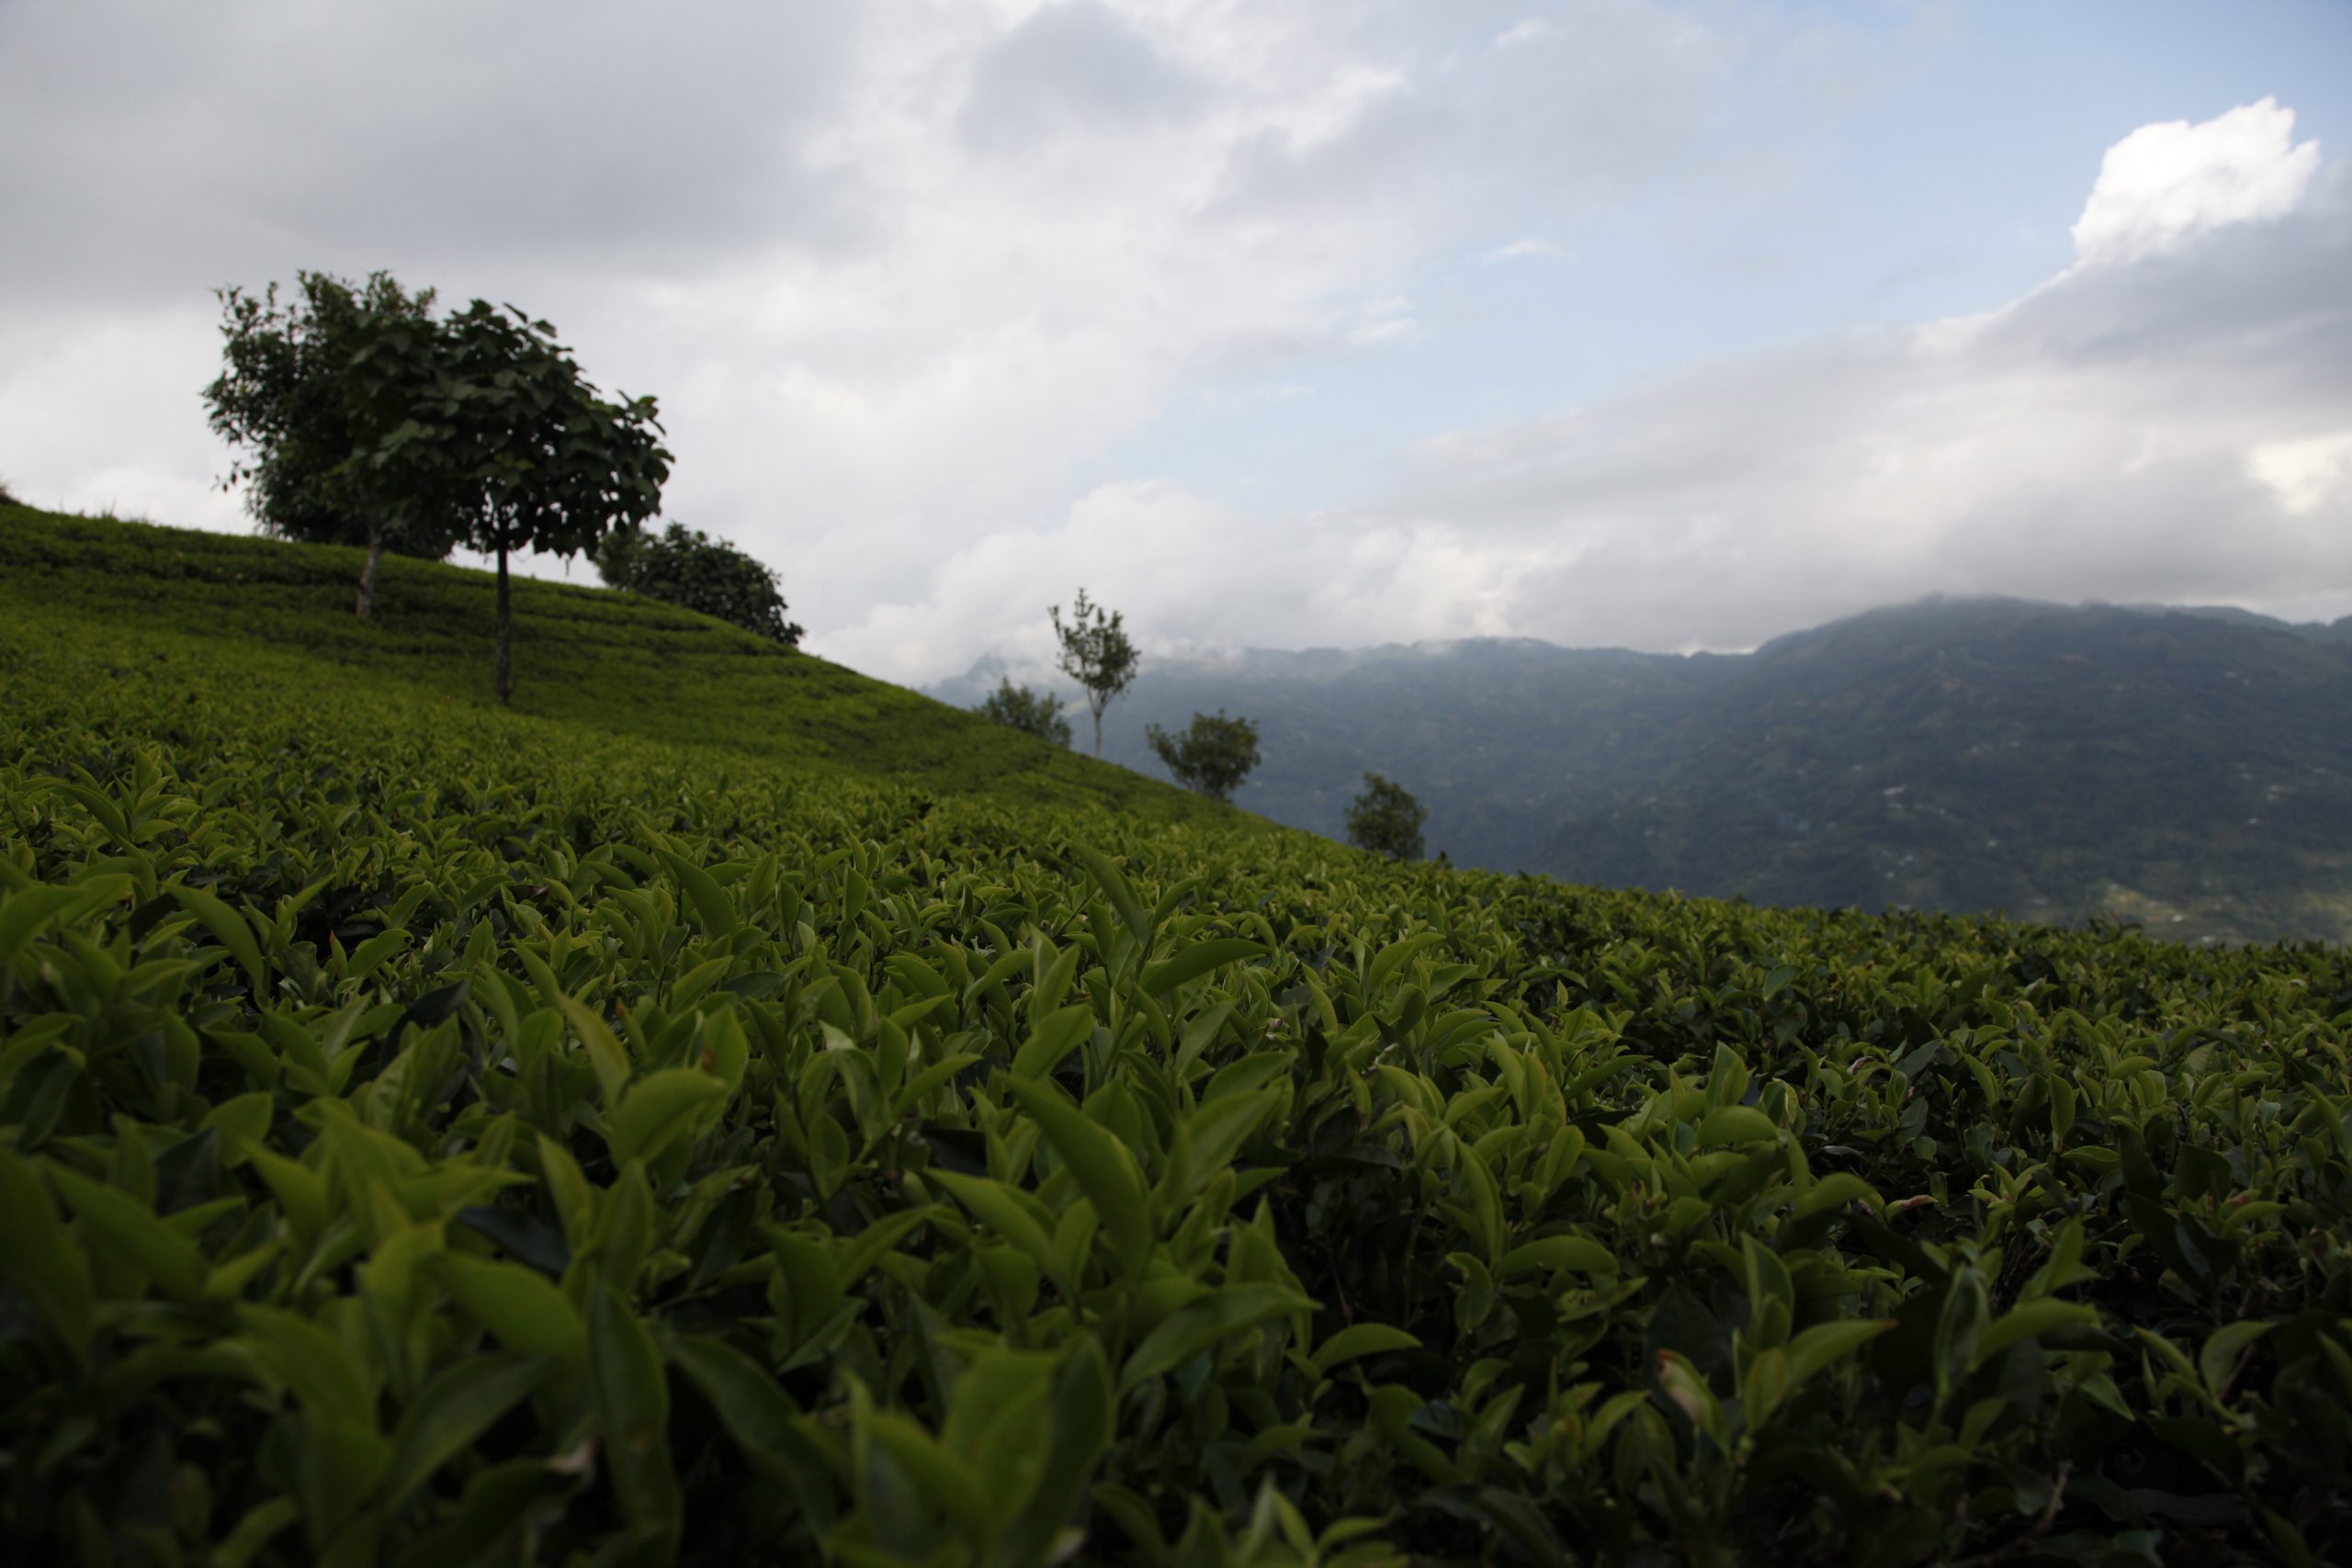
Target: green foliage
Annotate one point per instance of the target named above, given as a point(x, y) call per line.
point(1387, 820)
point(485, 418)
point(1032, 713)
point(1213, 754)
point(613, 665)
point(1096, 653)
point(287, 397)
point(689, 568)
point(432, 1133)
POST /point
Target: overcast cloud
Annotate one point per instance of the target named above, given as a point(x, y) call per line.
point(1215, 307)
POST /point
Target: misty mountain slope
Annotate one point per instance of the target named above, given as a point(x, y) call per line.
point(2056, 762)
point(1502, 739)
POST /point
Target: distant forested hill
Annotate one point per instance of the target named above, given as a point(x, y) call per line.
point(2188, 768)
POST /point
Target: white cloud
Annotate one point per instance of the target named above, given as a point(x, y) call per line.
point(906, 279)
point(68, 382)
point(1518, 249)
point(2307, 474)
point(900, 276)
point(1192, 574)
point(2115, 433)
point(2164, 183)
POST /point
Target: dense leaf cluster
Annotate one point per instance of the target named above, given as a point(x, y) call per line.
point(1030, 712)
point(285, 400)
point(1213, 754)
point(1385, 819)
point(431, 1134)
point(688, 568)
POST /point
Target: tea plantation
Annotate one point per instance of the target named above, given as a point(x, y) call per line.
point(728, 1111)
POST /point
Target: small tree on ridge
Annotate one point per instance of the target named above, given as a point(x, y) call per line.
point(1211, 755)
point(1032, 713)
point(1387, 820)
point(686, 567)
point(1097, 655)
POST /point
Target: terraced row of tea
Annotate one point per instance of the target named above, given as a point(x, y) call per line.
point(430, 1135)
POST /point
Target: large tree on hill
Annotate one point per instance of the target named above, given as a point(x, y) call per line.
point(484, 419)
point(285, 398)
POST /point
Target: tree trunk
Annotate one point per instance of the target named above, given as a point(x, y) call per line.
point(1098, 731)
point(505, 635)
point(367, 575)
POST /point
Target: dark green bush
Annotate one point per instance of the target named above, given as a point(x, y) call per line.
point(688, 568)
point(1032, 713)
point(1213, 754)
point(1387, 820)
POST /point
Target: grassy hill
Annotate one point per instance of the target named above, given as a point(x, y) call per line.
point(730, 1111)
point(586, 658)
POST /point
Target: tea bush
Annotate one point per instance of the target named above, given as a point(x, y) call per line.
point(435, 1135)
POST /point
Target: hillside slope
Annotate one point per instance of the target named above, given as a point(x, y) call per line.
point(2188, 768)
point(590, 657)
point(1502, 739)
point(448, 1137)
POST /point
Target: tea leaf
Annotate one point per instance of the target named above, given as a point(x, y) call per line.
point(37, 1255)
point(1221, 1314)
point(1199, 959)
point(1106, 1173)
point(633, 1411)
point(454, 1408)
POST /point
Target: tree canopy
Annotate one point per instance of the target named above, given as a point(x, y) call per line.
point(1387, 820)
point(485, 418)
point(686, 567)
point(1211, 755)
point(286, 397)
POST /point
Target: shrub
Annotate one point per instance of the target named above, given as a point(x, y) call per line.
point(1387, 820)
point(1211, 755)
point(689, 568)
point(1032, 713)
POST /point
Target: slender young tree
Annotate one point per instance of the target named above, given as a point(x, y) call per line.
point(1096, 654)
point(284, 397)
point(486, 417)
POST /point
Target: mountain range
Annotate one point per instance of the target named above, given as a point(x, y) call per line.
point(2186, 768)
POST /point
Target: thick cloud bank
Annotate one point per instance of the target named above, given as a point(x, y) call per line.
point(2170, 419)
point(954, 305)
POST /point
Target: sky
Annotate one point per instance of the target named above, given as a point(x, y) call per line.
point(1273, 324)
